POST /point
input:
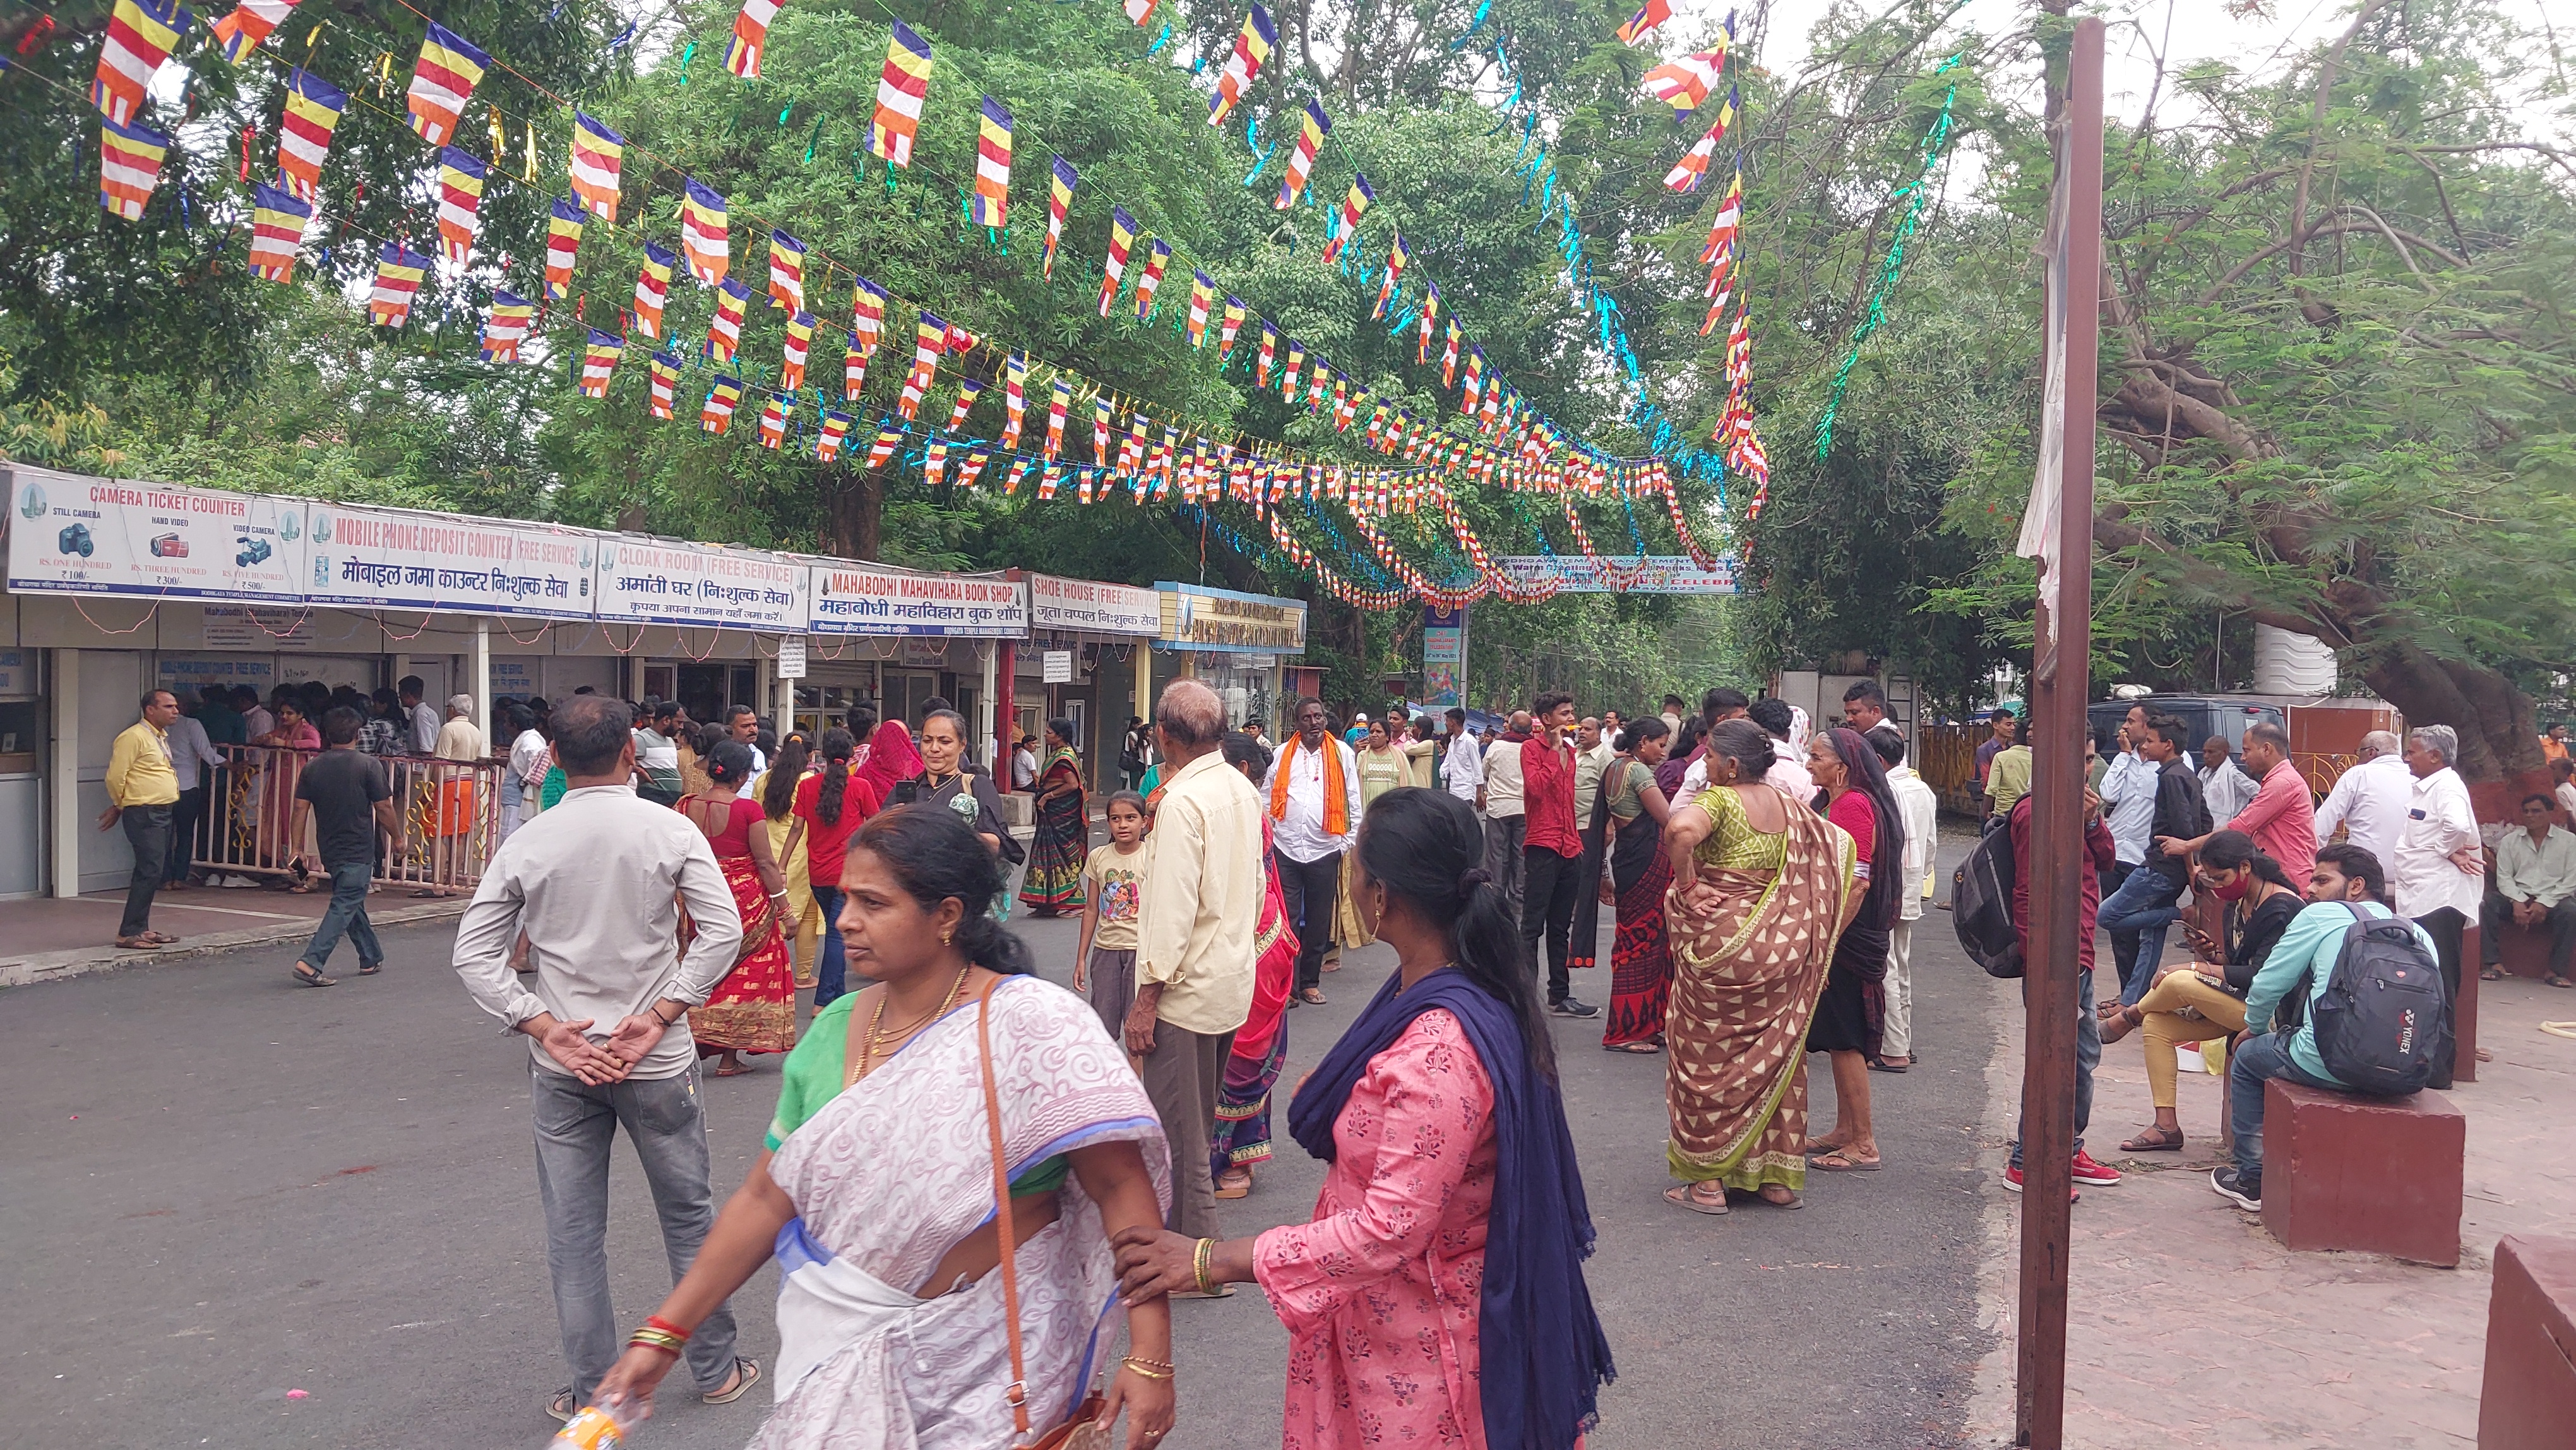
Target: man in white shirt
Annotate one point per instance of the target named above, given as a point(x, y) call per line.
point(2535, 888)
point(1464, 764)
point(1592, 754)
point(743, 724)
point(2439, 875)
point(1309, 830)
point(1506, 815)
point(2371, 799)
point(418, 714)
point(1921, 809)
point(194, 760)
point(596, 885)
point(1673, 705)
point(1024, 764)
point(2223, 787)
point(2128, 792)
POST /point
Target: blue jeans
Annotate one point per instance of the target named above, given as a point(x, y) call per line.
point(2259, 1061)
point(347, 914)
point(2088, 1056)
point(2136, 917)
point(831, 977)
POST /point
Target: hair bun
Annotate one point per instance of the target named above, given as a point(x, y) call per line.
point(1468, 883)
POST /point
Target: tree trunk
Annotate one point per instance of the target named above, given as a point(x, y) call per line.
point(853, 514)
point(2499, 730)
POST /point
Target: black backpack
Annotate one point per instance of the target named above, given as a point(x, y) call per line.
point(2384, 1017)
point(1981, 893)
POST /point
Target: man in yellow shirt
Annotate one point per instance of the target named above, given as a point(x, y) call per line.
point(141, 789)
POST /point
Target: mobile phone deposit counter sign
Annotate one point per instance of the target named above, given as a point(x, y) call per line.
point(366, 558)
point(691, 587)
point(851, 600)
point(71, 535)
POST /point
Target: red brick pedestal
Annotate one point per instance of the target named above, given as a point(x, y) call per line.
point(2376, 1174)
point(2528, 1401)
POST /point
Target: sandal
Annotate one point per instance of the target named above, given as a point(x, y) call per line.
point(1793, 1201)
point(2105, 1011)
point(746, 1373)
point(1686, 1195)
point(2154, 1140)
point(561, 1407)
point(739, 1069)
point(1879, 1064)
point(1234, 1183)
point(2555, 980)
point(306, 976)
point(1641, 1049)
point(2490, 974)
point(1312, 996)
point(1839, 1161)
point(2120, 1023)
point(369, 969)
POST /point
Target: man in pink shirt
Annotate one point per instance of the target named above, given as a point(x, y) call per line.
point(2282, 817)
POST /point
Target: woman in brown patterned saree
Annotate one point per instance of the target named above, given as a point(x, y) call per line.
point(1761, 889)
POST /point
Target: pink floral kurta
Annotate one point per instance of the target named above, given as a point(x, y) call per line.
point(1380, 1292)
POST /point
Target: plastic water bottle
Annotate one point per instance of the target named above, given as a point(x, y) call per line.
point(597, 1427)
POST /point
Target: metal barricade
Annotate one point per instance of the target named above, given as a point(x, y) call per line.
point(1949, 763)
point(449, 810)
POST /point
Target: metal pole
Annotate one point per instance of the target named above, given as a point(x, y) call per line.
point(2060, 679)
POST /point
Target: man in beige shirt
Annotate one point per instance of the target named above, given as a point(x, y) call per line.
point(1194, 938)
point(141, 789)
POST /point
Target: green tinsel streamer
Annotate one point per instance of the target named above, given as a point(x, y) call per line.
point(1915, 193)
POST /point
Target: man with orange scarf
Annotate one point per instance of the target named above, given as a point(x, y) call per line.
point(1314, 791)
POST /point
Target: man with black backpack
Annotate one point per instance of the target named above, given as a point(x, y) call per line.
point(2350, 1000)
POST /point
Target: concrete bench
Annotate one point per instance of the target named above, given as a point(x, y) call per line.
point(2377, 1174)
point(2529, 1398)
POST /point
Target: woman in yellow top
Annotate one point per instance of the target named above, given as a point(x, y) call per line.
point(1383, 767)
point(776, 790)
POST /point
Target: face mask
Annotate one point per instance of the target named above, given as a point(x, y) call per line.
point(2234, 890)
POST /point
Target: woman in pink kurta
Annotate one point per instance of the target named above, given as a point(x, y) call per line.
point(1412, 1281)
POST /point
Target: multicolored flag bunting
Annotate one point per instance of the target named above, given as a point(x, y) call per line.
point(1645, 21)
point(717, 413)
point(276, 232)
point(1226, 330)
point(1396, 257)
point(1251, 50)
point(992, 202)
point(1313, 127)
point(313, 107)
point(446, 75)
point(460, 196)
point(241, 32)
point(1059, 403)
point(398, 274)
point(773, 424)
point(653, 291)
point(800, 342)
point(750, 37)
point(968, 390)
point(1158, 255)
point(140, 35)
point(835, 431)
point(1061, 180)
point(930, 342)
point(1015, 399)
point(598, 360)
point(1202, 297)
point(724, 328)
point(899, 96)
point(597, 155)
point(1687, 172)
point(1354, 206)
point(129, 166)
point(786, 272)
point(1684, 83)
point(665, 367)
point(563, 244)
point(506, 326)
point(1122, 235)
point(702, 233)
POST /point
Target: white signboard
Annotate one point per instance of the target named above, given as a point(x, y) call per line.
point(1660, 574)
point(116, 536)
point(369, 558)
point(249, 627)
point(1056, 667)
point(859, 599)
point(791, 657)
point(690, 584)
point(1081, 604)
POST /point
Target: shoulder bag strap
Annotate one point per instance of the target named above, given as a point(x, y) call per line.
point(1018, 1393)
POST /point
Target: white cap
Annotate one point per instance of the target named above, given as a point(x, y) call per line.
point(1359, 717)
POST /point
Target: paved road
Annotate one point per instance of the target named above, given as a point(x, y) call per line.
point(222, 1189)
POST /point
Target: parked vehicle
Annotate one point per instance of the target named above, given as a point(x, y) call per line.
point(2205, 715)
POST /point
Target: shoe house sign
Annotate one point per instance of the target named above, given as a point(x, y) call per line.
point(857, 599)
point(73, 535)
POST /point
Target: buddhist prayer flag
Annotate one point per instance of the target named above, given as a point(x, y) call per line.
point(717, 414)
point(276, 232)
point(129, 166)
point(1122, 235)
point(867, 317)
point(1684, 83)
point(976, 458)
point(702, 233)
point(930, 341)
point(1141, 11)
point(992, 201)
point(1475, 380)
point(563, 243)
point(1099, 429)
point(1686, 173)
point(1354, 206)
point(598, 360)
point(506, 326)
point(140, 35)
point(1315, 382)
point(313, 108)
point(1396, 257)
point(1645, 21)
point(398, 274)
point(800, 342)
point(241, 32)
point(750, 37)
point(1430, 314)
point(460, 195)
point(448, 71)
point(724, 329)
point(1202, 297)
point(1313, 127)
point(827, 443)
point(653, 291)
point(786, 272)
point(1730, 216)
point(1449, 355)
point(1061, 180)
point(1251, 50)
point(773, 424)
point(1261, 364)
point(1015, 401)
point(934, 461)
point(968, 390)
point(1059, 403)
point(665, 368)
point(1234, 315)
point(854, 370)
point(596, 157)
point(1158, 255)
point(1296, 360)
point(899, 95)
point(887, 440)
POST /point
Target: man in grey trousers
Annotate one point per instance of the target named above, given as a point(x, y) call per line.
point(595, 884)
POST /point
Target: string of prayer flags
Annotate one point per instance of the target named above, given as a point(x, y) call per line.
point(786, 272)
point(930, 340)
point(1645, 22)
point(460, 196)
point(1354, 206)
point(702, 233)
point(800, 342)
point(750, 37)
point(1396, 257)
point(598, 360)
point(1234, 314)
point(836, 430)
point(1251, 50)
point(773, 424)
point(251, 22)
point(1684, 83)
point(716, 415)
point(448, 71)
point(899, 96)
point(398, 274)
point(1015, 401)
point(506, 326)
point(1061, 180)
point(968, 390)
point(1158, 255)
point(1313, 126)
point(724, 327)
point(563, 243)
point(1122, 235)
point(1687, 172)
point(129, 166)
point(597, 154)
point(882, 448)
point(277, 232)
point(653, 291)
point(1059, 403)
point(1202, 296)
point(140, 36)
point(313, 107)
point(992, 201)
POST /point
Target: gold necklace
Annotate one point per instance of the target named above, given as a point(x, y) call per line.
point(876, 1022)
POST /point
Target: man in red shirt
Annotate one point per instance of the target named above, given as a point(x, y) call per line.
point(1551, 851)
point(2282, 817)
point(2096, 859)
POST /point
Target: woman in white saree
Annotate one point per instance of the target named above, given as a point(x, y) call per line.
point(878, 1191)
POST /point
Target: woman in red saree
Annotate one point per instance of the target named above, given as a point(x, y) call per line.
point(754, 1007)
point(1241, 1135)
point(1623, 846)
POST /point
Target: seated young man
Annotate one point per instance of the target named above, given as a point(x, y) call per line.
point(2206, 998)
point(2534, 887)
point(2347, 878)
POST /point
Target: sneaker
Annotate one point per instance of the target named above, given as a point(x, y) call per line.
point(2012, 1184)
point(1572, 1007)
point(2099, 1174)
point(2246, 1193)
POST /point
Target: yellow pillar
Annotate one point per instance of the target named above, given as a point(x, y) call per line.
point(1144, 680)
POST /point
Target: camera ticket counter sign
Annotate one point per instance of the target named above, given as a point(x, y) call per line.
point(863, 599)
point(693, 586)
point(371, 558)
point(70, 535)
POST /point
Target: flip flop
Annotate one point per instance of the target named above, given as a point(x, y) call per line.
point(2491, 974)
point(369, 969)
point(1640, 1049)
point(1876, 1065)
point(746, 1373)
point(2554, 980)
point(1312, 997)
point(1838, 1161)
point(1681, 1194)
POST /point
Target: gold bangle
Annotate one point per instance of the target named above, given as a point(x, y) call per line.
point(1207, 1251)
point(670, 1344)
point(1138, 1366)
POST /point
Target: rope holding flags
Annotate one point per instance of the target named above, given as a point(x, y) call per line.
point(1916, 194)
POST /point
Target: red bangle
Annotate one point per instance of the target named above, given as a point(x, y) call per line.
point(666, 1326)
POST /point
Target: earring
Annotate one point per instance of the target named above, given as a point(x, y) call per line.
point(946, 936)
